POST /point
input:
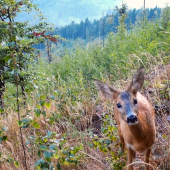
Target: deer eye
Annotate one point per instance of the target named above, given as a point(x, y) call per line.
point(135, 101)
point(119, 105)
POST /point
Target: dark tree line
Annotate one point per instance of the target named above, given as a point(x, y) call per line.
point(90, 30)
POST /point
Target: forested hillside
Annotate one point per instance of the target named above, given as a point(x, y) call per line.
point(51, 115)
point(88, 30)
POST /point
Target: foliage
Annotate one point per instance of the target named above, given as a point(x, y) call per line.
point(166, 17)
point(122, 10)
point(17, 42)
point(122, 26)
point(117, 57)
point(17, 53)
point(57, 149)
point(109, 143)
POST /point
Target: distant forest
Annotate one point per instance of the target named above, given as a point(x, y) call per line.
point(90, 30)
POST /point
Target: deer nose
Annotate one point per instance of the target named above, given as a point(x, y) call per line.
point(132, 119)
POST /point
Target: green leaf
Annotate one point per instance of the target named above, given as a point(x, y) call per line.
point(51, 168)
point(43, 147)
point(107, 116)
point(56, 155)
point(1, 110)
point(40, 162)
point(91, 134)
point(91, 145)
point(22, 73)
point(39, 153)
point(108, 142)
point(44, 113)
point(49, 134)
point(58, 166)
point(20, 123)
point(52, 147)
point(10, 160)
point(38, 106)
point(37, 112)
point(28, 142)
point(52, 97)
point(43, 97)
point(0, 154)
point(37, 95)
point(25, 120)
point(4, 138)
point(25, 126)
point(36, 125)
point(16, 163)
point(13, 38)
point(12, 72)
point(8, 57)
point(48, 105)
point(4, 128)
point(110, 128)
point(48, 155)
point(42, 103)
point(55, 93)
point(45, 140)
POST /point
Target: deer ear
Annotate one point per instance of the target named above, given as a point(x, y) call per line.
point(137, 81)
point(106, 90)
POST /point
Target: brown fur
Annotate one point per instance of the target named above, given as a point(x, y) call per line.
point(137, 137)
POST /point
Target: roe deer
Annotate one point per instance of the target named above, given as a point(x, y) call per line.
point(135, 117)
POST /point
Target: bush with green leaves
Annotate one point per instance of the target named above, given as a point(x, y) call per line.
point(53, 149)
point(117, 57)
point(165, 21)
point(109, 143)
point(50, 148)
point(16, 55)
point(16, 42)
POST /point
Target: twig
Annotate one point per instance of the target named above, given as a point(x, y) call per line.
point(1, 18)
point(12, 134)
point(93, 158)
point(18, 107)
point(140, 162)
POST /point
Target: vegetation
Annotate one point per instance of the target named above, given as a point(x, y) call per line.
point(58, 121)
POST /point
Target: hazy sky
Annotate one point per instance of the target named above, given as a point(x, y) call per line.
point(148, 3)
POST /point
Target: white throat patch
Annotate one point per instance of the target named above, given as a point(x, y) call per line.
point(130, 146)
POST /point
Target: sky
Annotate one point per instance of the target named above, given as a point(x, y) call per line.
point(148, 3)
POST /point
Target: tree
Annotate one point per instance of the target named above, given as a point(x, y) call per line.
point(16, 40)
point(16, 48)
point(143, 9)
point(49, 38)
point(121, 10)
point(122, 18)
point(103, 27)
